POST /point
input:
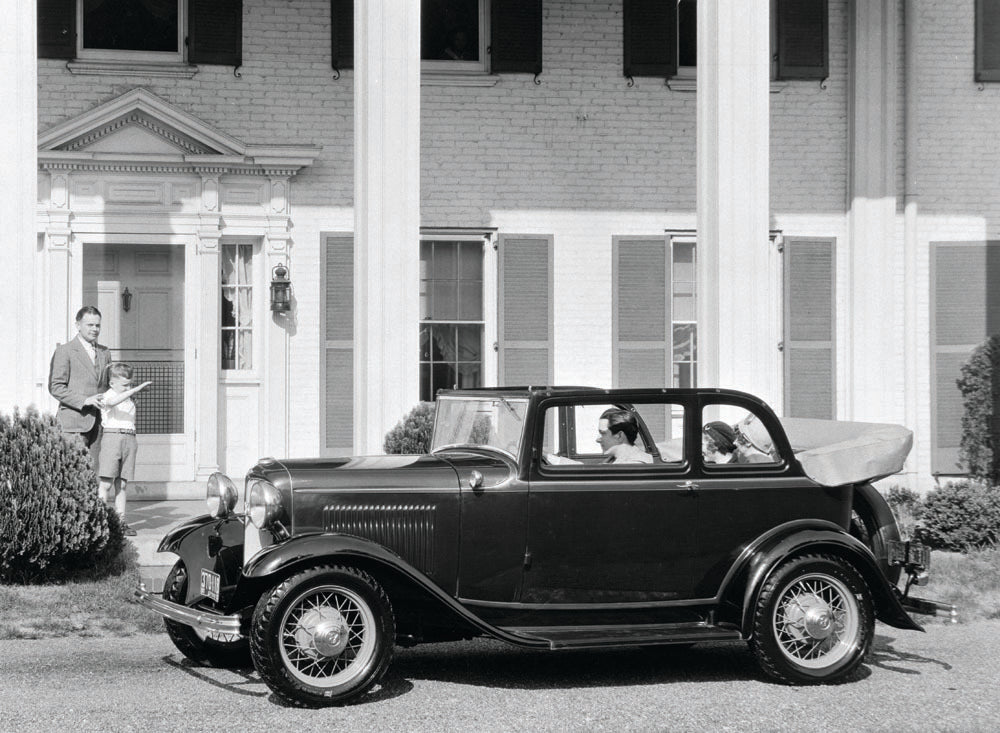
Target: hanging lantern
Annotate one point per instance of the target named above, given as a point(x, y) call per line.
point(126, 300)
point(281, 290)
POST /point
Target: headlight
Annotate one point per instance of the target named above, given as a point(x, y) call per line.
point(220, 495)
point(263, 504)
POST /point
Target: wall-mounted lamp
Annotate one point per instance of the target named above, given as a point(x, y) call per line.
point(281, 288)
point(126, 300)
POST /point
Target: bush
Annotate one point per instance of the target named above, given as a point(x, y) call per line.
point(412, 435)
point(980, 387)
point(906, 507)
point(961, 516)
point(52, 525)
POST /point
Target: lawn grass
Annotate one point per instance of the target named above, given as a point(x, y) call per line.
point(970, 581)
point(78, 608)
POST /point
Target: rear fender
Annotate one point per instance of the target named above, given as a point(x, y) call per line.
point(822, 538)
point(268, 567)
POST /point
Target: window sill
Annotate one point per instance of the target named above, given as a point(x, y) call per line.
point(677, 84)
point(132, 68)
point(444, 79)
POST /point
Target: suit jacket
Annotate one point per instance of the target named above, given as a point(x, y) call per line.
point(73, 377)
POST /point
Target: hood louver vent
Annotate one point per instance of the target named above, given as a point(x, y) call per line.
point(405, 529)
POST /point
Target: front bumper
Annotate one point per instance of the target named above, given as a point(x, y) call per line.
point(205, 621)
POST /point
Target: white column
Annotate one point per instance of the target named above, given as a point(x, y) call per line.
point(874, 363)
point(737, 335)
point(386, 216)
point(206, 310)
point(18, 182)
point(277, 246)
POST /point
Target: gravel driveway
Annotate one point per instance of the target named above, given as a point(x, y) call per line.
point(946, 679)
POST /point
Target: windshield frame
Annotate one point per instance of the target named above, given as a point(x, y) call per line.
point(503, 405)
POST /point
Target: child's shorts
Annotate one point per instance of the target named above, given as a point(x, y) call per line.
point(117, 456)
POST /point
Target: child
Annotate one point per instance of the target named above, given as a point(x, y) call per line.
point(116, 461)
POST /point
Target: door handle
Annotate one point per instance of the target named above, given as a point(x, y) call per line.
point(689, 485)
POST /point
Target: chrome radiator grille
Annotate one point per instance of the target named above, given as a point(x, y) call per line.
point(407, 530)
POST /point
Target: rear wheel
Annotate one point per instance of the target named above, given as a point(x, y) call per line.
point(323, 636)
point(814, 621)
point(211, 649)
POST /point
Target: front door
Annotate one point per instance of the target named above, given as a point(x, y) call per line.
point(139, 291)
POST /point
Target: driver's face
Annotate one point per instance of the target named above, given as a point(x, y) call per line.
point(605, 437)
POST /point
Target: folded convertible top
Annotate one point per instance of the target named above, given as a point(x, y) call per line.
point(834, 452)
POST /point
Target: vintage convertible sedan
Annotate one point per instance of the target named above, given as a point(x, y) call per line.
point(553, 518)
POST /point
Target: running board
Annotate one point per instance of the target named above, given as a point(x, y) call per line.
point(592, 637)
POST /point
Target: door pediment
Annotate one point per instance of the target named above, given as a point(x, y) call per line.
point(139, 128)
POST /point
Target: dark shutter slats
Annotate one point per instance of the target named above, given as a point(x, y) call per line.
point(338, 327)
point(810, 318)
point(649, 38)
point(803, 39)
point(215, 32)
point(516, 36)
point(641, 319)
point(987, 40)
point(56, 29)
point(342, 34)
point(525, 324)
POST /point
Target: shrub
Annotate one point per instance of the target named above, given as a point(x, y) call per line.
point(412, 435)
point(52, 524)
point(961, 516)
point(906, 507)
point(980, 387)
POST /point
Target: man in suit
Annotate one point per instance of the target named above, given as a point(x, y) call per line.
point(78, 376)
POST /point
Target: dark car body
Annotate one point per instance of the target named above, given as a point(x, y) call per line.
point(524, 533)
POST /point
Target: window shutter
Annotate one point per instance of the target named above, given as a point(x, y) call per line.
point(338, 352)
point(342, 34)
point(810, 328)
point(987, 40)
point(803, 39)
point(525, 329)
point(641, 326)
point(965, 311)
point(649, 38)
point(516, 36)
point(56, 29)
point(215, 32)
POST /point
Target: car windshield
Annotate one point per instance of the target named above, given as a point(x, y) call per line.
point(493, 421)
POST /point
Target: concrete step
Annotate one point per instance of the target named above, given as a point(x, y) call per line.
point(151, 520)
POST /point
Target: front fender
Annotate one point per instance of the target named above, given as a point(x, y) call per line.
point(209, 543)
point(828, 539)
point(171, 541)
point(312, 549)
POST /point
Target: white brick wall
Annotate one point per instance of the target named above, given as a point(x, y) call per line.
point(581, 155)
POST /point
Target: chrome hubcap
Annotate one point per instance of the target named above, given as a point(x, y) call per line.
point(816, 621)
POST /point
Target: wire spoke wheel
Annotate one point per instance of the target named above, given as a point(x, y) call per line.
point(816, 621)
point(327, 636)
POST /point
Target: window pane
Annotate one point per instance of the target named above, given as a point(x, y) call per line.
point(130, 25)
point(425, 383)
point(245, 306)
point(471, 261)
point(684, 342)
point(228, 349)
point(443, 376)
point(425, 343)
point(468, 376)
point(228, 307)
point(684, 308)
point(444, 343)
point(243, 264)
point(445, 260)
point(227, 257)
point(470, 304)
point(684, 375)
point(245, 349)
point(687, 37)
point(684, 262)
point(449, 30)
point(445, 300)
point(470, 341)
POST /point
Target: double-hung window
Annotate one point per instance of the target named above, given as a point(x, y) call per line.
point(144, 30)
point(237, 306)
point(451, 315)
point(453, 35)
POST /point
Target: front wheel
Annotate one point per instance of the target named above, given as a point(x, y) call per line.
point(212, 649)
point(323, 636)
point(814, 621)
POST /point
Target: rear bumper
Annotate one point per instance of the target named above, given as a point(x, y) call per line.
point(196, 618)
point(929, 607)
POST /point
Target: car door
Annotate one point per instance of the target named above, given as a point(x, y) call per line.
point(743, 499)
point(607, 533)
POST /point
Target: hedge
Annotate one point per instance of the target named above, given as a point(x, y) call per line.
point(961, 516)
point(412, 435)
point(52, 524)
point(980, 388)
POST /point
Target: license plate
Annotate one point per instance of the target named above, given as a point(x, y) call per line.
point(913, 554)
point(210, 584)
